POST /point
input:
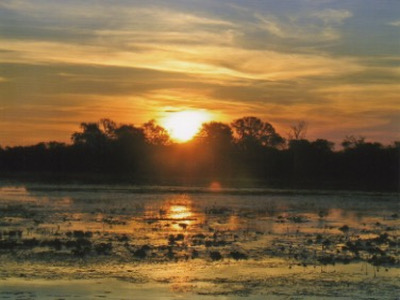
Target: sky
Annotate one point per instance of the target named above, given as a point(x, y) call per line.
point(332, 63)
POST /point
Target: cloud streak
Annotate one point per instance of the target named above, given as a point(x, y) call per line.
point(307, 26)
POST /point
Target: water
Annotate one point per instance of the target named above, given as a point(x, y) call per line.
point(198, 242)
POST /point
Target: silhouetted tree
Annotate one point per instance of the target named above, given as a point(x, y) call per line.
point(322, 160)
point(215, 133)
point(368, 164)
point(251, 131)
point(255, 141)
point(156, 134)
point(91, 148)
point(351, 142)
point(301, 152)
point(311, 162)
point(323, 146)
point(130, 135)
point(124, 151)
point(55, 145)
point(298, 131)
point(91, 135)
point(130, 148)
point(215, 144)
point(108, 127)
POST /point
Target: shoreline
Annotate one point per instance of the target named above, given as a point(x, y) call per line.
point(200, 185)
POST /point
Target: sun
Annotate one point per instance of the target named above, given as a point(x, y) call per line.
point(183, 125)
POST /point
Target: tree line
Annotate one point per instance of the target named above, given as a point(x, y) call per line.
point(248, 150)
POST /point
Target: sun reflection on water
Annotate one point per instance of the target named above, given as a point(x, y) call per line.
point(179, 212)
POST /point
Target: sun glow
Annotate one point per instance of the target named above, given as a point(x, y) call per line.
point(183, 125)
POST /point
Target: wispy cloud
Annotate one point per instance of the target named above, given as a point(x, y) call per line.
point(333, 16)
point(305, 26)
point(395, 23)
point(214, 60)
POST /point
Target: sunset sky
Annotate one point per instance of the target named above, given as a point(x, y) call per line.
point(333, 63)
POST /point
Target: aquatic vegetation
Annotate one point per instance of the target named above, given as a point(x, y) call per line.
point(200, 230)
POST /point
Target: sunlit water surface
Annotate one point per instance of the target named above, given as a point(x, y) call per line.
point(196, 243)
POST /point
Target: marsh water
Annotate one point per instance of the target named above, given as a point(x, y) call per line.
point(138, 242)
